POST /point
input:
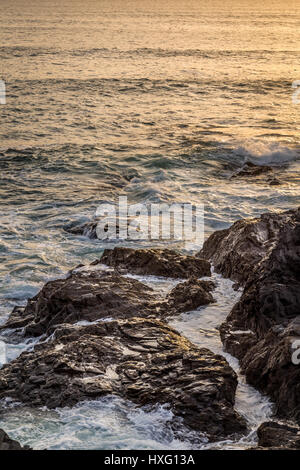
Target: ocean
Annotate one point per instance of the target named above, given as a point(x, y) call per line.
point(159, 101)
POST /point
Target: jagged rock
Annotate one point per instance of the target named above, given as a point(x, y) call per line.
point(84, 295)
point(263, 326)
point(156, 262)
point(268, 366)
point(271, 295)
point(139, 359)
point(279, 436)
point(236, 251)
point(6, 443)
point(191, 294)
point(91, 293)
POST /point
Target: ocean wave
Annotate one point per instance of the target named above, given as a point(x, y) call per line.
point(7, 52)
point(264, 153)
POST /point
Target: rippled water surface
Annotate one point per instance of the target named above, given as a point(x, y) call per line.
point(159, 101)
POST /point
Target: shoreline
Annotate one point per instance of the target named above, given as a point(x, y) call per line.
point(239, 266)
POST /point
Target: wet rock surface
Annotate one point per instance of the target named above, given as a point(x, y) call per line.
point(268, 366)
point(143, 360)
point(6, 443)
point(167, 263)
point(90, 293)
point(279, 436)
point(265, 324)
point(84, 295)
point(236, 251)
point(191, 294)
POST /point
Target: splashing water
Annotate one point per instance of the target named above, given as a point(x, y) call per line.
point(264, 153)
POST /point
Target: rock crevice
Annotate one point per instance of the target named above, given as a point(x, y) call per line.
point(264, 255)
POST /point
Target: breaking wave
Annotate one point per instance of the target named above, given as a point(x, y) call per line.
point(262, 153)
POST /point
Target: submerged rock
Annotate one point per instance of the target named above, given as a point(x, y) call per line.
point(6, 443)
point(279, 436)
point(257, 173)
point(263, 326)
point(250, 169)
point(107, 228)
point(87, 229)
point(143, 360)
point(236, 251)
point(157, 262)
point(273, 181)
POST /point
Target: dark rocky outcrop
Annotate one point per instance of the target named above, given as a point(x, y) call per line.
point(167, 263)
point(139, 359)
point(267, 363)
point(191, 294)
point(6, 443)
point(143, 359)
point(90, 293)
point(263, 326)
point(236, 251)
point(280, 436)
point(84, 295)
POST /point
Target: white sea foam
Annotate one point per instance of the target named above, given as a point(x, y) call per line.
point(263, 153)
point(107, 423)
point(88, 323)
